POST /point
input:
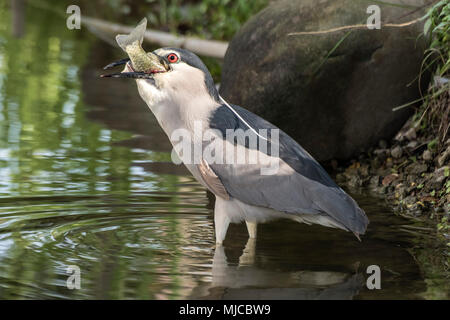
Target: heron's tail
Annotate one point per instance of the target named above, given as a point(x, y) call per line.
point(336, 203)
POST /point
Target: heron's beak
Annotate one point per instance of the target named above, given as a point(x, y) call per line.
point(154, 64)
point(117, 63)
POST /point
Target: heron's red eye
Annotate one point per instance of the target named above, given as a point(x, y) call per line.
point(172, 58)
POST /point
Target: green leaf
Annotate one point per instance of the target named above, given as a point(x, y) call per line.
point(426, 27)
point(432, 144)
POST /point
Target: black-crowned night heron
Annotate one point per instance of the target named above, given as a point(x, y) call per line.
point(181, 93)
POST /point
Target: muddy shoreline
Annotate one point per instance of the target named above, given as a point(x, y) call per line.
point(411, 172)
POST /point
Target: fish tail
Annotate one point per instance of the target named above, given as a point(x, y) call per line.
point(124, 40)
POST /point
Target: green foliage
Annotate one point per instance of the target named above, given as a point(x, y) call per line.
point(433, 116)
point(216, 19)
point(432, 144)
point(437, 28)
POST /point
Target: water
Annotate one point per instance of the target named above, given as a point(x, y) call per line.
point(86, 180)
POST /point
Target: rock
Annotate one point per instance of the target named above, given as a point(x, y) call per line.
point(416, 169)
point(397, 152)
point(383, 171)
point(374, 182)
point(335, 101)
point(443, 157)
point(428, 199)
point(355, 182)
point(427, 156)
point(350, 172)
point(389, 179)
point(414, 207)
point(375, 163)
point(389, 163)
point(411, 134)
point(400, 136)
point(400, 191)
point(341, 178)
point(382, 154)
point(382, 144)
point(412, 145)
point(438, 178)
point(364, 170)
point(410, 201)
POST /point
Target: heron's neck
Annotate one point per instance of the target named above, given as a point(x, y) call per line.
point(177, 110)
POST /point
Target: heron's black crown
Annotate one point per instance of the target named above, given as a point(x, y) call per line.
point(194, 61)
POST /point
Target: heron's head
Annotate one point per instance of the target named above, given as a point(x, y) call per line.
point(177, 77)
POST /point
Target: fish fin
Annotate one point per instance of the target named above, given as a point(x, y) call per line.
point(124, 40)
point(357, 236)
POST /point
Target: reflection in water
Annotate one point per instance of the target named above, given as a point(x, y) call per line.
point(86, 179)
point(246, 281)
point(18, 17)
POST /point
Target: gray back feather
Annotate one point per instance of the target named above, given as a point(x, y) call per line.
point(309, 191)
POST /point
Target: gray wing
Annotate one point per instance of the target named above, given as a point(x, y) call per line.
point(301, 185)
point(212, 181)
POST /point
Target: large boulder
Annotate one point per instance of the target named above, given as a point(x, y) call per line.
point(333, 92)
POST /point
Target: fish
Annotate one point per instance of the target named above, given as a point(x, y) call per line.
point(141, 61)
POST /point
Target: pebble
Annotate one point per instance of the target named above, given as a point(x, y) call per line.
point(427, 156)
point(397, 152)
point(416, 169)
point(389, 179)
point(411, 134)
point(443, 157)
point(382, 144)
point(412, 144)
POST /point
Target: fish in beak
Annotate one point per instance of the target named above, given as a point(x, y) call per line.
point(140, 64)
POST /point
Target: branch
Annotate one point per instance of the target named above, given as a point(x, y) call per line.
point(356, 26)
point(210, 48)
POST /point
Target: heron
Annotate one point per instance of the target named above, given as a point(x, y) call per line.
point(180, 91)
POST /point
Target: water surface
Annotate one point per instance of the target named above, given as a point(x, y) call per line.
point(86, 180)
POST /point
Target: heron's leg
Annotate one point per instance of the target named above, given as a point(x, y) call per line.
point(252, 228)
point(221, 220)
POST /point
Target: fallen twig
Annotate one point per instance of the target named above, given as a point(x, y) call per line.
point(210, 48)
point(356, 26)
point(99, 27)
